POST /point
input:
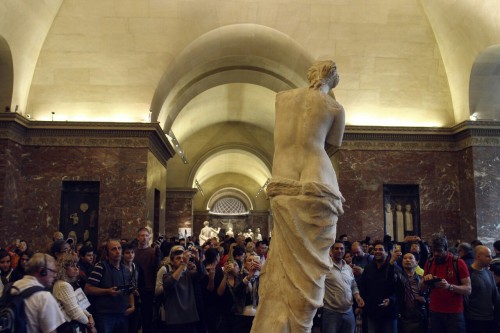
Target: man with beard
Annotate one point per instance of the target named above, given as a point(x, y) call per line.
point(448, 280)
point(411, 304)
point(377, 289)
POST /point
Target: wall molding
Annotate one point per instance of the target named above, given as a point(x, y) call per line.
point(461, 136)
point(25, 132)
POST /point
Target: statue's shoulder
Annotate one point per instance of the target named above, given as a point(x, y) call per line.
point(291, 92)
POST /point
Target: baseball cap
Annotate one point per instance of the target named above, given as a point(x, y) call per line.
point(56, 246)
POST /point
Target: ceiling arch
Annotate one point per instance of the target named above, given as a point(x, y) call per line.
point(234, 102)
point(247, 53)
point(484, 99)
point(238, 159)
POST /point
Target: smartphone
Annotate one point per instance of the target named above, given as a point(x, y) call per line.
point(397, 248)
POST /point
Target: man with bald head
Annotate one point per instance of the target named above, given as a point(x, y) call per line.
point(360, 259)
point(484, 297)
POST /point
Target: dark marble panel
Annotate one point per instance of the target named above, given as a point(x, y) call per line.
point(179, 214)
point(120, 171)
point(362, 175)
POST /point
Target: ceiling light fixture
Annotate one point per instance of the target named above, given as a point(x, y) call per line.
point(198, 186)
point(263, 187)
point(177, 146)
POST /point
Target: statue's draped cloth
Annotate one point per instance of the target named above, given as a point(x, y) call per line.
point(292, 280)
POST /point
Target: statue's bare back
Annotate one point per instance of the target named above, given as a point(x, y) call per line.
point(307, 120)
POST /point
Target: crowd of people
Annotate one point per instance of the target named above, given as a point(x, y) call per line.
point(412, 287)
point(178, 285)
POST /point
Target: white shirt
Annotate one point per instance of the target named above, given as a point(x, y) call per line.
point(42, 310)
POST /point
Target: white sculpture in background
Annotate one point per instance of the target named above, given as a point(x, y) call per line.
point(305, 201)
point(408, 218)
point(230, 232)
point(207, 232)
point(400, 225)
point(258, 236)
point(389, 222)
point(248, 234)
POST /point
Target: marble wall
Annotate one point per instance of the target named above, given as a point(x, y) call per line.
point(486, 173)
point(362, 175)
point(120, 172)
point(179, 212)
point(36, 159)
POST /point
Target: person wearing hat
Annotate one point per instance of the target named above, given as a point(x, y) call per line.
point(178, 288)
point(61, 246)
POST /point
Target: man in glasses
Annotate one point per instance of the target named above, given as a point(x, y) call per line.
point(40, 274)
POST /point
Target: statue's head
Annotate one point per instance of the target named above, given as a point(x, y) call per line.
point(206, 223)
point(323, 72)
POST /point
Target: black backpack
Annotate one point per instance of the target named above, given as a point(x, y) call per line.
point(12, 315)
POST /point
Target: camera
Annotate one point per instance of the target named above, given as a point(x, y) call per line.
point(432, 281)
point(126, 289)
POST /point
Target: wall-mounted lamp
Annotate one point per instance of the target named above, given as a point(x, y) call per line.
point(473, 116)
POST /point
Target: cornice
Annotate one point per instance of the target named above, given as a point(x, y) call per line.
point(181, 192)
point(86, 134)
point(467, 134)
point(458, 137)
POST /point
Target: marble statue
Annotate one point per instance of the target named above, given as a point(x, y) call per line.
point(408, 218)
point(305, 202)
point(248, 234)
point(230, 232)
point(389, 222)
point(207, 232)
point(400, 226)
point(258, 236)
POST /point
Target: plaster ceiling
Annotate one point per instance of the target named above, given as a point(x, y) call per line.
point(194, 65)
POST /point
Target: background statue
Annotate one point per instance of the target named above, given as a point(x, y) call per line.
point(305, 202)
point(207, 232)
point(389, 222)
point(230, 232)
point(258, 235)
point(408, 218)
point(400, 226)
point(248, 234)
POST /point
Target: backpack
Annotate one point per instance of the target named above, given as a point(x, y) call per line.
point(12, 315)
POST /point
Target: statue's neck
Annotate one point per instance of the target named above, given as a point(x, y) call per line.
point(325, 89)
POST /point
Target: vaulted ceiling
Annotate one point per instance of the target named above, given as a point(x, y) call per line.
point(208, 71)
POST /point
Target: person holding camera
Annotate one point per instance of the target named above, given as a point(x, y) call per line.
point(410, 300)
point(247, 294)
point(109, 286)
point(178, 287)
point(447, 279)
